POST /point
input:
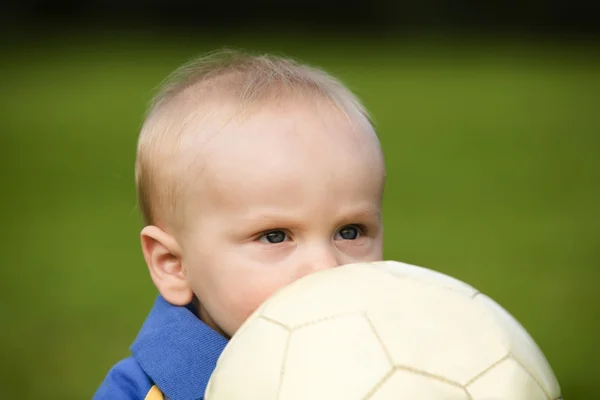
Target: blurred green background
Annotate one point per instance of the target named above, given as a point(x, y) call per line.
point(494, 177)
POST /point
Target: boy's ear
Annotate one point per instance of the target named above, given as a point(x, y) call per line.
point(164, 260)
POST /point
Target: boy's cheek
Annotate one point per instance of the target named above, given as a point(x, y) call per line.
point(256, 289)
point(241, 308)
point(258, 255)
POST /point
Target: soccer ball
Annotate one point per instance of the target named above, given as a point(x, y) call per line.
point(381, 331)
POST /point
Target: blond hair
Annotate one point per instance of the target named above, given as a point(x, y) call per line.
point(160, 170)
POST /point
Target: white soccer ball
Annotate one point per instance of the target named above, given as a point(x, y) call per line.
point(381, 331)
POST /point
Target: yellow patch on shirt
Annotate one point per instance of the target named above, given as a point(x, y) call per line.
point(154, 394)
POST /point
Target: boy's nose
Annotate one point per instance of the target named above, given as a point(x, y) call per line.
point(321, 258)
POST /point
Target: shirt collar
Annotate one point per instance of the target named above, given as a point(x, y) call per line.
point(177, 350)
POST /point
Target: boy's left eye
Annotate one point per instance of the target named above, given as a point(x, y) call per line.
point(349, 232)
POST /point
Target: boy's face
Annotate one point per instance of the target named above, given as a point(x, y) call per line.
point(293, 190)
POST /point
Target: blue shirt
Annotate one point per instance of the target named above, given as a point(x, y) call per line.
point(174, 350)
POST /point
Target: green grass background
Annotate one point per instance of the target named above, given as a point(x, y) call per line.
point(494, 177)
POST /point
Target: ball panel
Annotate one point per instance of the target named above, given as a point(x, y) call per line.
point(350, 288)
point(421, 274)
point(258, 358)
point(413, 385)
point(446, 334)
point(522, 346)
point(507, 381)
point(337, 291)
point(349, 344)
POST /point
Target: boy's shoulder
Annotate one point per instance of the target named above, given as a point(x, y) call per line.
point(174, 350)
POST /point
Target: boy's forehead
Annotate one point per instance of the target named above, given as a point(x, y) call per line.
point(283, 144)
point(266, 129)
point(280, 145)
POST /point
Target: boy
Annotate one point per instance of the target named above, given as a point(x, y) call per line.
point(252, 171)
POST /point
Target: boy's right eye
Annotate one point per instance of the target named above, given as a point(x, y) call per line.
point(273, 237)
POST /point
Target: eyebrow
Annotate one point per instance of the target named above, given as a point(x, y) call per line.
point(368, 212)
point(277, 218)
